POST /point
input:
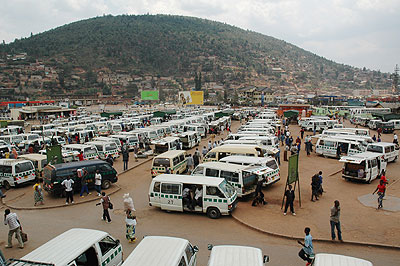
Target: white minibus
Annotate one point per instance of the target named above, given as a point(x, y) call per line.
point(77, 247)
point(328, 146)
point(105, 149)
point(389, 150)
point(365, 166)
point(163, 251)
point(229, 255)
point(220, 152)
point(215, 196)
point(14, 172)
point(323, 259)
point(166, 144)
point(175, 160)
point(89, 151)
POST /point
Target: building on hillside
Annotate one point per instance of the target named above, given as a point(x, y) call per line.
point(42, 111)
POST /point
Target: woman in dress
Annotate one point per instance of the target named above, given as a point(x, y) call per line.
point(38, 192)
point(130, 226)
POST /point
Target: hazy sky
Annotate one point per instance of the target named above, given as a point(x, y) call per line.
point(355, 32)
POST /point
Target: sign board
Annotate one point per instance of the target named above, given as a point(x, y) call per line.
point(54, 154)
point(149, 95)
point(293, 169)
point(191, 97)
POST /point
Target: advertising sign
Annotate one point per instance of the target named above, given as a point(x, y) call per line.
point(191, 97)
point(293, 168)
point(149, 95)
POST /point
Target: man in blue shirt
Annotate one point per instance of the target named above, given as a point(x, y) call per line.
point(307, 251)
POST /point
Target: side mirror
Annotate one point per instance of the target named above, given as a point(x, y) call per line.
point(209, 246)
point(196, 249)
point(266, 259)
point(117, 240)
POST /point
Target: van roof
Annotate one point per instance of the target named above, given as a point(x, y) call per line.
point(224, 166)
point(12, 161)
point(76, 164)
point(245, 159)
point(188, 179)
point(77, 146)
point(64, 248)
point(229, 255)
point(157, 250)
point(171, 153)
point(359, 157)
point(383, 144)
point(33, 156)
point(235, 147)
point(323, 259)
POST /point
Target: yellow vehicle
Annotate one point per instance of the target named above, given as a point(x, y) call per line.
point(220, 152)
point(175, 160)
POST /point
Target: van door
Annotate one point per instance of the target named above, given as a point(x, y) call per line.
point(155, 195)
point(89, 257)
point(110, 251)
point(171, 197)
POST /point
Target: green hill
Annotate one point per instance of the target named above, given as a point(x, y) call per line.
point(176, 46)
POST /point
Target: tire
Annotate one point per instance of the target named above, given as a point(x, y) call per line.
point(6, 185)
point(106, 184)
point(213, 213)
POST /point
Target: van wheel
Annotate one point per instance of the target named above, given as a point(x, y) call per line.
point(213, 213)
point(106, 184)
point(6, 185)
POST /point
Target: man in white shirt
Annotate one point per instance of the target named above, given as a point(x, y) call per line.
point(69, 191)
point(198, 196)
point(97, 182)
point(11, 219)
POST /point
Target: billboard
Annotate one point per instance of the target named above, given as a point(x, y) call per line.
point(191, 97)
point(149, 95)
point(293, 174)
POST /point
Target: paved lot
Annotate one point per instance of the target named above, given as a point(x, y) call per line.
point(359, 222)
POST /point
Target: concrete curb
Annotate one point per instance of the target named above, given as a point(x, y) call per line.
point(334, 173)
point(77, 203)
point(353, 243)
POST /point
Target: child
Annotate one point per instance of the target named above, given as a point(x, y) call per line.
point(130, 226)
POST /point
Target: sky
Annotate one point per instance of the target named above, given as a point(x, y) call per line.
point(360, 33)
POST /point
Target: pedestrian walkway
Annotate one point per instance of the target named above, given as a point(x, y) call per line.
point(390, 203)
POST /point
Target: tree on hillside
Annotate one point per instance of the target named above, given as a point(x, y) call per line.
point(197, 82)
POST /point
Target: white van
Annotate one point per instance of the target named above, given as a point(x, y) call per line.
point(175, 160)
point(163, 251)
point(77, 247)
point(189, 139)
point(241, 177)
point(236, 136)
point(229, 255)
point(396, 123)
point(365, 166)
point(218, 197)
point(104, 149)
point(323, 259)
point(14, 172)
point(38, 160)
point(271, 175)
point(12, 139)
point(166, 144)
point(372, 124)
point(266, 131)
point(389, 150)
point(268, 141)
point(220, 152)
point(130, 140)
point(318, 124)
point(108, 139)
point(89, 151)
point(328, 146)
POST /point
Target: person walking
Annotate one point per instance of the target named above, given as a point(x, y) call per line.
point(320, 189)
point(289, 194)
point(395, 139)
point(190, 162)
point(69, 193)
point(314, 187)
point(80, 156)
point(204, 151)
point(38, 192)
point(302, 133)
point(130, 222)
point(14, 226)
point(97, 182)
point(335, 221)
point(125, 158)
point(278, 156)
point(307, 251)
point(84, 182)
point(196, 159)
point(381, 188)
point(105, 202)
point(135, 152)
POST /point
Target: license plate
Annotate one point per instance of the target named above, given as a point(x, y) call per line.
point(26, 177)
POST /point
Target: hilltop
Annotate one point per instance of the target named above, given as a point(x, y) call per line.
point(179, 47)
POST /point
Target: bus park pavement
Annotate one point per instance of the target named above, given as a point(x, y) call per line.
point(22, 198)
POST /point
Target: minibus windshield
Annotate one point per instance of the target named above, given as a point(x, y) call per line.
point(227, 188)
point(164, 162)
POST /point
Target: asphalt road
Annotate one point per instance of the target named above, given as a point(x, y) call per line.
point(42, 225)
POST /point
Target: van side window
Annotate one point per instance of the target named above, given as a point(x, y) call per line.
point(170, 188)
point(321, 142)
point(198, 171)
point(387, 149)
point(156, 187)
point(107, 244)
point(23, 167)
point(88, 258)
point(214, 191)
point(230, 176)
point(211, 155)
point(175, 161)
point(182, 262)
point(189, 252)
point(6, 169)
point(181, 158)
point(212, 172)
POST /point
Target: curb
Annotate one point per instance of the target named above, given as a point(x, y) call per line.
point(354, 243)
point(77, 203)
point(334, 173)
point(60, 205)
